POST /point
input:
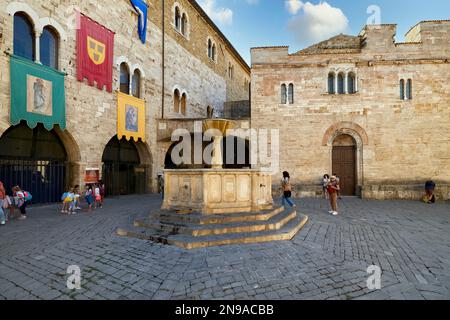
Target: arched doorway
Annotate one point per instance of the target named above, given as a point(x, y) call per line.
point(36, 160)
point(345, 163)
point(123, 170)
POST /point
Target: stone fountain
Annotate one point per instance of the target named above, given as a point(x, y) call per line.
point(216, 206)
point(217, 190)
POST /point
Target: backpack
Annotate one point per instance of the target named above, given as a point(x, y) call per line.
point(27, 196)
point(64, 196)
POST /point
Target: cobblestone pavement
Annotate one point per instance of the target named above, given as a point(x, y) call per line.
point(328, 259)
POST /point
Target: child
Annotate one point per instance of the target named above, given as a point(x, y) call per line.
point(67, 198)
point(89, 197)
point(65, 207)
point(19, 198)
point(77, 197)
point(71, 201)
point(97, 197)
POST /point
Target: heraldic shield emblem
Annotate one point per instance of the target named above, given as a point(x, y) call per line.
point(96, 50)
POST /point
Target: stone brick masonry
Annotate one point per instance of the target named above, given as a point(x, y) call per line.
point(400, 143)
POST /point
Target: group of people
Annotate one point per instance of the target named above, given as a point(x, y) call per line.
point(331, 189)
point(94, 195)
point(19, 199)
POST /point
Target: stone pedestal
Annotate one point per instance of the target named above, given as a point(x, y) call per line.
point(217, 191)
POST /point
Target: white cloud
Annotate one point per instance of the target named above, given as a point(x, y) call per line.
point(315, 22)
point(293, 6)
point(223, 16)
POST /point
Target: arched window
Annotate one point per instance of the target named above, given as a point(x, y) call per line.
point(230, 71)
point(331, 89)
point(124, 78)
point(402, 89)
point(291, 93)
point(49, 48)
point(213, 54)
point(209, 112)
point(351, 83)
point(24, 41)
point(184, 24)
point(210, 48)
point(409, 89)
point(177, 18)
point(136, 84)
point(183, 104)
point(283, 94)
point(341, 83)
point(176, 101)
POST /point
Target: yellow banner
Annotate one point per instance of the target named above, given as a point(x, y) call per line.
point(130, 117)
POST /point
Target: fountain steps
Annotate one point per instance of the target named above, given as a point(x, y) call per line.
point(199, 219)
point(282, 225)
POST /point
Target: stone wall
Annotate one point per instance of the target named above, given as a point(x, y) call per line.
point(401, 143)
point(92, 114)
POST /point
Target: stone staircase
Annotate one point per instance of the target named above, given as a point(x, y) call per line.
point(192, 230)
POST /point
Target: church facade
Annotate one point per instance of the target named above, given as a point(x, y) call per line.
point(371, 110)
point(84, 89)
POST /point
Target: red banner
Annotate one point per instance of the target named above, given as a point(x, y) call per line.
point(95, 49)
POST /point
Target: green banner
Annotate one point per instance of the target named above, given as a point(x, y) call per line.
point(37, 94)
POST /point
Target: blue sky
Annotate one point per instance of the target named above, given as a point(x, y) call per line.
point(254, 23)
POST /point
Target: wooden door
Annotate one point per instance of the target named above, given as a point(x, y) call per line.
point(344, 165)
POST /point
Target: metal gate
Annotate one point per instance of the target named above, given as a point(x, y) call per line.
point(124, 179)
point(45, 180)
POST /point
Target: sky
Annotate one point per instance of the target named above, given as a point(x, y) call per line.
point(298, 24)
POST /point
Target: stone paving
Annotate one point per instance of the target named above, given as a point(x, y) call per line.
point(328, 259)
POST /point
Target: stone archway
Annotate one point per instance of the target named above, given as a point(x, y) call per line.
point(42, 162)
point(127, 167)
point(358, 134)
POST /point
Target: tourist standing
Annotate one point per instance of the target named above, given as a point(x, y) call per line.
point(338, 181)
point(286, 186)
point(325, 181)
point(2, 207)
point(333, 189)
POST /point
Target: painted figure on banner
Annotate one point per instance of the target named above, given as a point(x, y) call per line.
point(131, 122)
point(39, 95)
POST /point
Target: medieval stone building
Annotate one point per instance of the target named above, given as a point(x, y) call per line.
point(57, 131)
point(374, 111)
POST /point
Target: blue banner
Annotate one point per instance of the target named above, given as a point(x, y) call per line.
point(141, 8)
